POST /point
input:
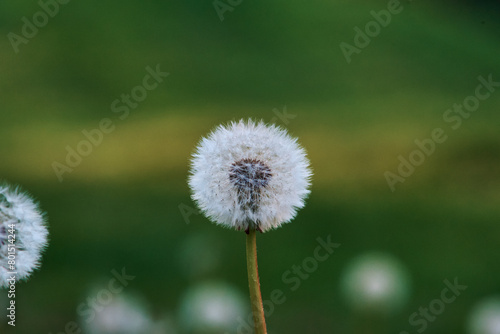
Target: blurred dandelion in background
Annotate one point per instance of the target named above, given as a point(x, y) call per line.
point(375, 283)
point(212, 307)
point(485, 317)
point(124, 314)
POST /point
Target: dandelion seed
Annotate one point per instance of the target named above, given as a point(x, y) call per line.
point(249, 175)
point(23, 235)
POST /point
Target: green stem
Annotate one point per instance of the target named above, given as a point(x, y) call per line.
point(254, 284)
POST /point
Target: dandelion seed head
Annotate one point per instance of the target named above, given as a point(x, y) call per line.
point(250, 175)
point(18, 210)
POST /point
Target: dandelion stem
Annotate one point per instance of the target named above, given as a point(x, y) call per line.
point(254, 284)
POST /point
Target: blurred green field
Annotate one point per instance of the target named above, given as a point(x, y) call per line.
point(120, 206)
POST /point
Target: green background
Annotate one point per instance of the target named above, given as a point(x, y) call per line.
point(120, 206)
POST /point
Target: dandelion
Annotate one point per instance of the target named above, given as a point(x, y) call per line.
point(250, 176)
point(254, 177)
point(23, 235)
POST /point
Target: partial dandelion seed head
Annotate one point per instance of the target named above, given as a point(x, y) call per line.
point(250, 175)
point(23, 229)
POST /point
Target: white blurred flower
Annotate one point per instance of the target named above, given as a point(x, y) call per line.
point(485, 317)
point(122, 315)
point(250, 175)
point(212, 308)
point(18, 210)
point(376, 283)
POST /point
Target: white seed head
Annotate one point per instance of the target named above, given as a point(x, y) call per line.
point(29, 234)
point(250, 175)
